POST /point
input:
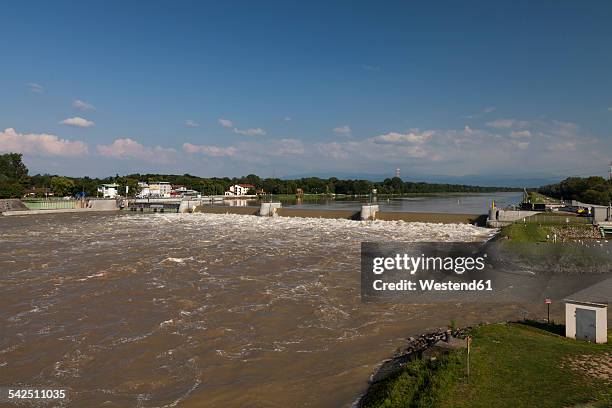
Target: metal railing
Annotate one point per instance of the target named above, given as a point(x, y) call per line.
point(49, 203)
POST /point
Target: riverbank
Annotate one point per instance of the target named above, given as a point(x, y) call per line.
point(511, 365)
point(552, 232)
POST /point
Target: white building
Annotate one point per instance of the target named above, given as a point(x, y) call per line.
point(183, 191)
point(144, 190)
point(160, 189)
point(239, 190)
point(109, 190)
point(586, 313)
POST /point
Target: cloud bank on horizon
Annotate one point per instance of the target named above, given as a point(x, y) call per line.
point(432, 99)
point(506, 146)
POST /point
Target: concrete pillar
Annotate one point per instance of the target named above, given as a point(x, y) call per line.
point(184, 206)
point(269, 209)
point(368, 212)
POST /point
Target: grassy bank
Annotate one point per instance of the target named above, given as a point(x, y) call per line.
point(511, 365)
point(534, 232)
point(537, 198)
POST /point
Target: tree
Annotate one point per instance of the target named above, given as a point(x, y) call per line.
point(10, 188)
point(131, 183)
point(11, 166)
point(62, 186)
point(596, 197)
point(13, 173)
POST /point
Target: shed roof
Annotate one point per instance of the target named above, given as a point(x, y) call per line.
point(598, 294)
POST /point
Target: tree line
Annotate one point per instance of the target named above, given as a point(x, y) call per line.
point(590, 190)
point(14, 181)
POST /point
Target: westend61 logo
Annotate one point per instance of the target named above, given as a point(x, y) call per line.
point(423, 272)
point(491, 272)
point(418, 271)
point(412, 264)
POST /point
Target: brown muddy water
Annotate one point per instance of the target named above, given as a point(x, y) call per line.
point(203, 310)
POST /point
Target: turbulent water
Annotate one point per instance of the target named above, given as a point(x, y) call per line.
point(201, 310)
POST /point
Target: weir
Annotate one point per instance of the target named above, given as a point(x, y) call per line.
point(444, 218)
point(204, 205)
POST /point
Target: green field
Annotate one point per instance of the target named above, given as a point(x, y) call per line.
point(511, 365)
point(534, 232)
point(537, 198)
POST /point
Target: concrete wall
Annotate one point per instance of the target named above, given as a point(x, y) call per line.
point(600, 214)
point(442, 218)
point(11, 204)
point(601, 321)
point(314, 213)
point(102, 205)
point(269, 209)
point(499, 217)
point(368, 212)
point(211, 209)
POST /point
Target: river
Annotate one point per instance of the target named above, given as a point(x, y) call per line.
point(203, 310)
point(457, 203)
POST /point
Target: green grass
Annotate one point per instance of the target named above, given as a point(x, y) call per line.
point(418, 385)
point(537, 198)
point(533, 232)
point(519, 232)
point(511, 365)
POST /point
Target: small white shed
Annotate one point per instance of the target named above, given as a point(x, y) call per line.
point(586, 320)
point(586, 312)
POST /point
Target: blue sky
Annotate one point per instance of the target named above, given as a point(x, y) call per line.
point(231, 88)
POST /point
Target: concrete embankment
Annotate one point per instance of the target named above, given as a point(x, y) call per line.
point(314, 213)
point(351, 214)
point(17, 207)
point(56, 211)
point(12, 204)
point(210, 209)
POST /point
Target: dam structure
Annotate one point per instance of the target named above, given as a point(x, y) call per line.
point(215, 205)
point(367, 212)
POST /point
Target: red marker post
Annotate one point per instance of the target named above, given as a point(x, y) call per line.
point(548, 302)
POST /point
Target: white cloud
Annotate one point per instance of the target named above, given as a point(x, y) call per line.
point(34, 87)
point(213, 151)
point(414, 136)
point(521, 145)
point(610, 108)
point(565, 146)
point(78, 122)
point(251, 150)
point(127, 148)
point(40, 144)
point(191, 123)
point(335, 150)
point(344, 130)
point(82, 105)
point(507, 123)
point(287, 118)
point(481, 113)
point(286, 147)
point(226, 123)
point(520, 133)
point(250, 132)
